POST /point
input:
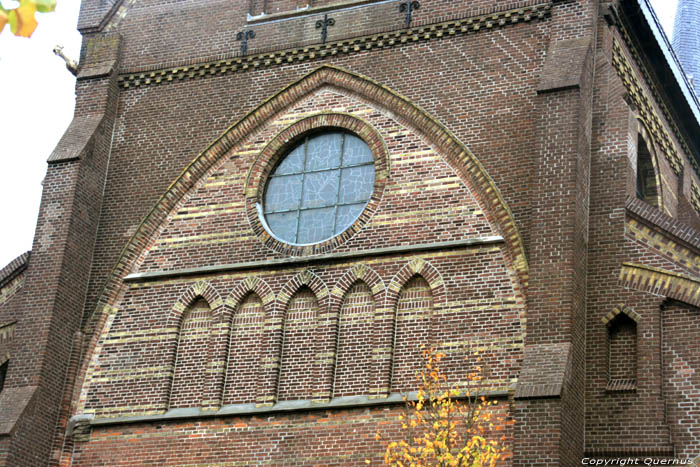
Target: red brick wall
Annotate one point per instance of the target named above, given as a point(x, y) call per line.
point(307, 439)
point(681, 354)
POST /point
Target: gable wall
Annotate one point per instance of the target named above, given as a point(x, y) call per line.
point(165, 126)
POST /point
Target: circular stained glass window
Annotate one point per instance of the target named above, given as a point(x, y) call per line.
point(319, 188)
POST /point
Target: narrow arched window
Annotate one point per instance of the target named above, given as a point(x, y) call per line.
point(297, 377)
point(355, 342)
point(647, 180)
point(245, 348)
point(414, 311)
point(190, 377)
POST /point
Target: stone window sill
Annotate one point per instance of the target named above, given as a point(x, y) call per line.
point(621, 385)
point(347, 402)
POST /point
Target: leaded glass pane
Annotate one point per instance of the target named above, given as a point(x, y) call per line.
point(357, 184)
point(347, 215)
point(293, 163)
point(324, 151)
point(356, 151)
point(284, 225)
point(320, 189)
point(283, 193)
point(315, 225)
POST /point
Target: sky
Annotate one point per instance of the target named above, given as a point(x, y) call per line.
point(38, 98)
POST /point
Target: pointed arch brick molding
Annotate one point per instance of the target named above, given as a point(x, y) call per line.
point(621, 308)
point(224, 346)
point(358, 273)
point(201, 289)
point(466, 164)
point(380, 95)
point(271, 364)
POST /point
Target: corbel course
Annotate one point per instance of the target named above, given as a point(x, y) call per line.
point(347, 46)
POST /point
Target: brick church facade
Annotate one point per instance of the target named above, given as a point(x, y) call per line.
point(520, 179)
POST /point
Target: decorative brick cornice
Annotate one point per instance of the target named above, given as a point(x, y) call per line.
point(695, 196)
point(13, 268)
point(653, 216)
point(673, 239)
point(661, 282)
point(11, 287)
point(645, 106)
point(424, 33)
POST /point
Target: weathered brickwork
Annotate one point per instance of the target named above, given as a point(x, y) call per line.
point(278, 439)
point(161, 320)
point(680, 358)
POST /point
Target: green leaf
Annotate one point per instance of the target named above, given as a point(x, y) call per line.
point(44, 6)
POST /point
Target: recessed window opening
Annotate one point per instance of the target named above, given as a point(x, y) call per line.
point(3, 373)
point(622, 349)
point(319, 189)
point(647, 182)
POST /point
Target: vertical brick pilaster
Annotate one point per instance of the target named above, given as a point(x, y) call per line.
point(59, 268)
point(558, 256)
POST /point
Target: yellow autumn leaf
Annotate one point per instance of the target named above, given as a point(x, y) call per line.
point(22, 21)
point(4, 18)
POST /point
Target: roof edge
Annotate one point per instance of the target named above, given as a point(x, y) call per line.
point(671, 82)
point(651, 49)
point(671, 58)
point(14, 267)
